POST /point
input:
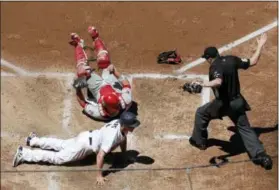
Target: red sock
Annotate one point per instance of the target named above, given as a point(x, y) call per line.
point(80, 55)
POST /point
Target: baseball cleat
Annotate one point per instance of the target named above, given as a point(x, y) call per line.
point(264, 160)
point(93, 32)
point(76, 40)
point(18, 158)
point(30, 137)
point(199, 146)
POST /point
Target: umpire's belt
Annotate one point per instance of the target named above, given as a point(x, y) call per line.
point(235, 97)
point(90, 137)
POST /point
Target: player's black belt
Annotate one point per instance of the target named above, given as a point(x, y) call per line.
point(229, 99)
point(90, 138)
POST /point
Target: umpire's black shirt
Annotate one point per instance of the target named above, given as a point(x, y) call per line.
point(226, 68)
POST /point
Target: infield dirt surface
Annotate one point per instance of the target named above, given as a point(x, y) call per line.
point(35, 35)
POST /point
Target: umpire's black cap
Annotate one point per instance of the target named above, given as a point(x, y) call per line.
point(210, 52)
point(129, 119)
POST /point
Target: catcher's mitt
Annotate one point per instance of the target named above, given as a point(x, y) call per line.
point(80, 83)
point(192, 87)
point(170, 57)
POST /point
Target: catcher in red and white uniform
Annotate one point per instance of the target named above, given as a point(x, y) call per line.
point(111, 92)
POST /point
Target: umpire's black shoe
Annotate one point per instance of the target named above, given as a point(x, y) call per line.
point(264, 160)
point(199, 146)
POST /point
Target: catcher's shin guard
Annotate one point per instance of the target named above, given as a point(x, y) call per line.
point(80, 55)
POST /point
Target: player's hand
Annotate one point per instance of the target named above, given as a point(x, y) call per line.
point(80, 83)
point(111, 68)
point(130, 159)
point(101, 180)
point(197, 81)
point(262, 40)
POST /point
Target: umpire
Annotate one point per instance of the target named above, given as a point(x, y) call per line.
point(224, 81)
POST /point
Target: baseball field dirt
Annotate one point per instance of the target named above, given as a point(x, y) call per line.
point(36, 97)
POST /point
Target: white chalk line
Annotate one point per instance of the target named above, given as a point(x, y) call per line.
point(172, 137)
point(23, 72)
point(52, 183)
point(164, 76)
point(132, 139)
point(67, 111)
point(7, 74)
point(9, 135)
point(229, 46)
point(57, 75)
point(18, 70)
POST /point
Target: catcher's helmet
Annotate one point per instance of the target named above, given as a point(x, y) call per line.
point(93, 32)
point(111, 103)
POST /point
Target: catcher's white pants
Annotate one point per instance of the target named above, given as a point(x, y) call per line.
point(65, 151)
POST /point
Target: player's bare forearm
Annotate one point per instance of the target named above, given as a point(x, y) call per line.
point(255, 57)
point(125, 82)
point(214, 83)
point(123, 146)
point(114, 147)
point(114, 71)
point(80, 98)
point(100, 162)
point(116, 74)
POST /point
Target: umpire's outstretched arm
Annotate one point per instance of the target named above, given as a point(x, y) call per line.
point(255, 57)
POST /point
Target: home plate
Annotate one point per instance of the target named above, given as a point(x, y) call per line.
point(172, 137)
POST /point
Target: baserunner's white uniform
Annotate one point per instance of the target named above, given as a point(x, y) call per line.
point(75, 148)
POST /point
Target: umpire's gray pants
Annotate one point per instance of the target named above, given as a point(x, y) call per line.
point(203, 117)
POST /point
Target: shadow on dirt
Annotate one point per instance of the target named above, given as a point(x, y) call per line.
point(117, 160)
point(235, 145)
